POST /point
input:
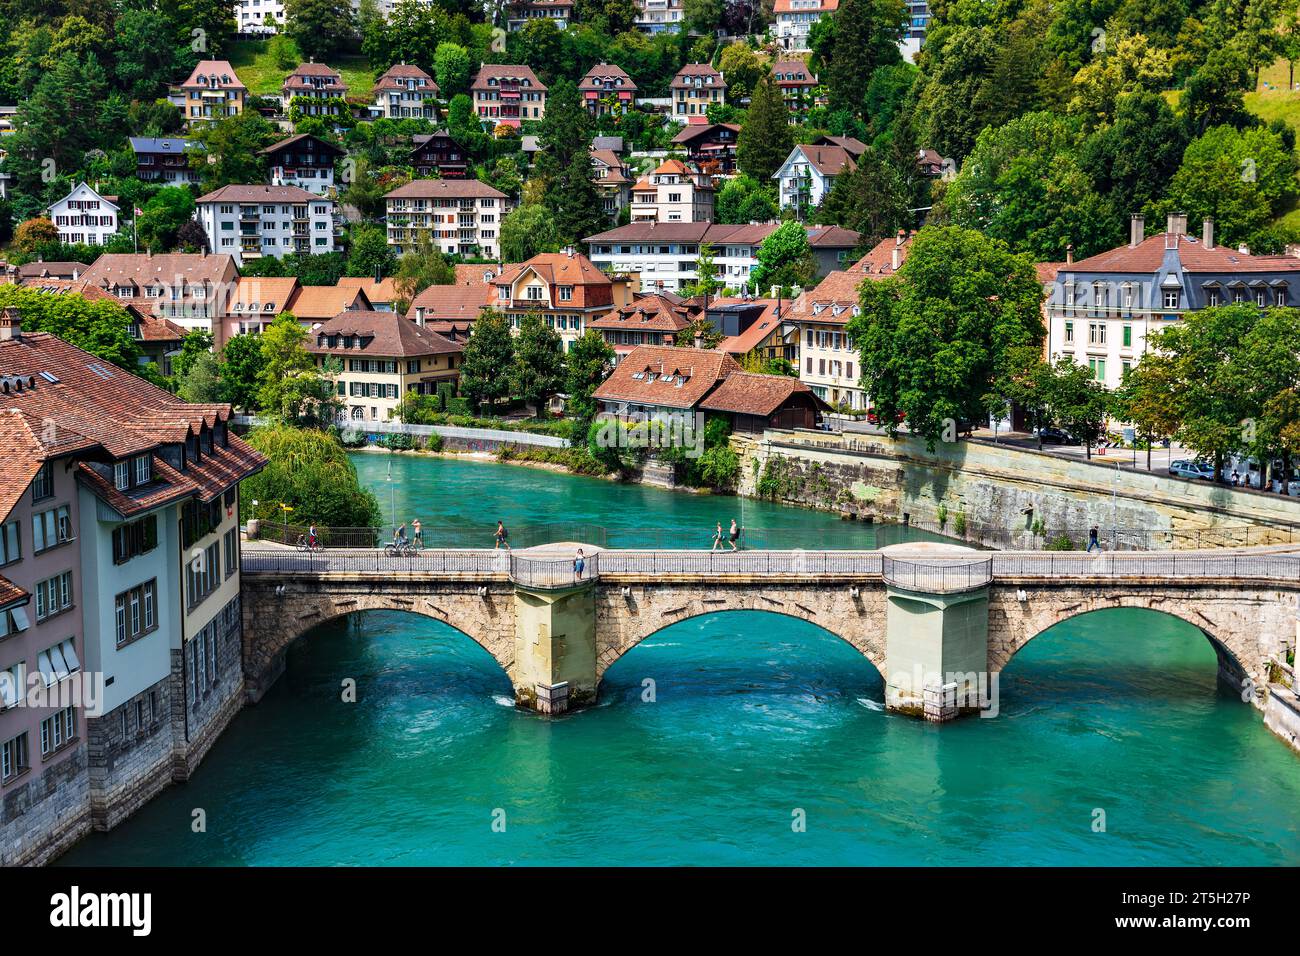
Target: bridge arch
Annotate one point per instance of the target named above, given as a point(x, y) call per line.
point(627, 616)
point(277, 615)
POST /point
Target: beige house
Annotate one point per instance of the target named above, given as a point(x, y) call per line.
point(384, 355)
point(212, 92)
point(695, 88)
point(673, 193)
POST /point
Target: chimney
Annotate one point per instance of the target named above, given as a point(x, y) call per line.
point(379, 273)
point(1069, 253)
point(699, 340)
point(1177, 224)
point(1137, 229)
point(1207, 232)
point(11, 324)
point(895, 257)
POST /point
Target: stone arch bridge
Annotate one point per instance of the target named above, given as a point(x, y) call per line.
point(938, 624)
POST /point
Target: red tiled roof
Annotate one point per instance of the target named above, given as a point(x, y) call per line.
point(319, 303)
point(255, 193)
point(11, 593)
point(445, 189)
point(751, 393)
point(557, 268)
point(651, 313)
point(681, 376)
point(451, 303)
point(836, 295)
point(682, 79)
point(219, 69)
point(601, 72)
point(385, 334)
point(404, 71)
point(382, 291)
point(1148, 256)
point(505, 71)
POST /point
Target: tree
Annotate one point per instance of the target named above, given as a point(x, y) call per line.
point(702, 16)
point(196, 342)
point(1077, 402)
point(310, 471)
point(365, 191)
point(1129, 65)
point(33, 233)
point(162, 217)
point(370, 254)
point(575, 203)
point(527, 230)
point(871, 199)
point(241, 370)
point(293, 390)
point(192, 237)
point(742, 68)
point(318, 27)
point(743, 199)
point(231, 150)
point(765, 140)
point(785, 259)
point(201, 381)
point(706, 272)
point(566, 128)
point(423, 266)
point(284, 53)
point(145, 53)
point(588, 364)
point(99, 326)
point(538, 369)
point(451, 68)
point(1132, 160)
point(864, 37)
point(934, 337)
point(489, 356)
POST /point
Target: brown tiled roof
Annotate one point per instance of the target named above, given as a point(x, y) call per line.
point(445, 189)
point(506, 71)
point(682, 376)
point(217, 68)
point(259, 291)
point(763, 326)
point(403, 71)
point(387, 334)
point(698, 69)
point(319, 303)
point(154, 328)
point(11, 593)
point(1148, 256)
point(780, 67)
point(751, 393)
point(836, 295)
point(140, 269)
point(254, 193)
point(598, 74)
point(650, 313)
point(52, 270)
point(828, 160)
point(473, 273)
point(557, 268)
point(452, 303)
point(695, 132)
point(1047, 271)
point(294, 140)
point(382, 291)
point(296, 80)
point(851, 145)
point(90, 405)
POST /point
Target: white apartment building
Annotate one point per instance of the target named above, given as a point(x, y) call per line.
point(249, 222)
point(406, 92)
point(659, 16)
point(83, 215)
point(673, 193)
point(260, 16)
point(459, 216)
point(794, 18)
point(808, 174)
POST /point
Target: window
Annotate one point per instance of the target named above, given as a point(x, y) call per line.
point(1212, 297)
point(132, 472)
point(1096, 333)
point(57, 662)
point(58, 730)
point(231, 540)
point(1069, 333)
point(136, 612)
point(51, 528)
point(143, 466)
point(13, 621)
point(11, 544)
point(43, 483)
point(136, 538)
point(1128, 337)
point(121, 475)
point(12, 685)
point(13, 757)
point(203, 574)
point(1098, 367)
point(53, 595)
point(1171, 299)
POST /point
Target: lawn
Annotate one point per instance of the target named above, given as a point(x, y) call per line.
point(262, 77)
point(1272, 100)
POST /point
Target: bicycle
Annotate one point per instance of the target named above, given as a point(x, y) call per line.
point(395, 550)
point(305, 545)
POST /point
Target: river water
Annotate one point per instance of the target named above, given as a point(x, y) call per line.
point(765, 741)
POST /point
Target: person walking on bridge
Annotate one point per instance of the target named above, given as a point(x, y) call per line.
point(579, 565)
point(501, 536)
point(417, 538)
point(1092, 539)
point(717, 538)
point(735, 534)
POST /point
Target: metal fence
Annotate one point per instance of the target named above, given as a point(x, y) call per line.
point(553, 572)
point(936, 577)
point(439, 538)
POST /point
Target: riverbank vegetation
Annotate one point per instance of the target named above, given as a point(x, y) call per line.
point(308, 479)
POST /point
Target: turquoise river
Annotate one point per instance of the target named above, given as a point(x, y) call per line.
point(765, 743)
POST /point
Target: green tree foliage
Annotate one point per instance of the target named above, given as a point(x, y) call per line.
point(871, 199)
point(423, 266)
point(231, 152)
point(308, 470)
point(933, 337)
point(318, 27)
point(566, 128)
point(765, 140)
point(370, 254)
point(99, 326)
point(702, 16)
point(489, 356)
point(741, 67)
point(785, 259)
point(197, 342)
point(293, 390)
point(588, 364)
point(242, 367)
point(1132, 160)
point(201, 381)
point(162, 217)
point(527, 230)
point(863, 37)
point(452, 69)
point(743, 199)
point(575, 204)
point(538, 369)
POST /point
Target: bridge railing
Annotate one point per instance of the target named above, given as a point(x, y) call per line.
point(721, 563)
point(441, 561)
point(936, 576)
point(1167, 564)
point(559, 572)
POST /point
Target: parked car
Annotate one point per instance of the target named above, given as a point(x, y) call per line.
point(1056, 436)
point(1186, 468)
point(874, 418)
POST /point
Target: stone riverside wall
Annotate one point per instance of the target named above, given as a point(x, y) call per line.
point(1000, 493)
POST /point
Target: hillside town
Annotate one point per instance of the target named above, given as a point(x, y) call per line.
point(243, 235)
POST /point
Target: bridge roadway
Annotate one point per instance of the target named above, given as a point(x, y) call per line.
point(927, 617)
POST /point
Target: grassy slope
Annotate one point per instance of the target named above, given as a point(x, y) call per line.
point(263, 77)
point(1273, 102)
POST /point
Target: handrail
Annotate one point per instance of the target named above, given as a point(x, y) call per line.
point(936, 577)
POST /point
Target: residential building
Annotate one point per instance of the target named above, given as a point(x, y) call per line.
point(520, 12)
point(711, 148)
point(808, 174)
point(40, 269)
point(248, 222)
point(312, 305)
point(695, 88)
point(313, 89)
point(438, 155)
point(162, 160)
point(794, 18)
point(99, 518)
point(646, 320)
point(84, 216)
point(459, 217)
point(260, 16)
point(383, 356)
point(798, 86)
point(673, 193)
point(918, 20)
point(565, 288)
point(451, 310)
point(1102, 309)
point(656, 381)
point(212, 92)
point(304, 161)
point(191, 289)
point(607, 89)
point(406, 92)
point(614, 144)
point(753, 403)
point(659, 16)
point(610, 177)
point(252, 305)
point(380, 292)
point(509, 95)
point(664, 254)
point(752, 326)
point(826, 357)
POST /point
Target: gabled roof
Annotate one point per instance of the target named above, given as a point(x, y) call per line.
point(252, 295)
point(834, 298)
point(236, 192)
point(142, 269)
point(161, 144)
point(557, 268)
point(854, 147)
point(382, 291)
point(827, 160)
point(227, 78)
point(318, 303)
point(751, 393)
point(603, 73)
point(666, 376)
point(1148, 257)
point(53, 270)
point(392, 78)
point(506, 71)
point(782, 68)
point(451, 303)
point(687, 73)
point(445, 188)
point(649, 313)
point(696, 132)
point(324, 144)
point(385, 334)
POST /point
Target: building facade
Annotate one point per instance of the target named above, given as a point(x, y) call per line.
point(566, 289)
point(712, 148)
point(607, 89)
point(162, 160)
point(610, 176)
point(212, 92)
point(695, 88)
point(314, 89)
point(798, 86)
point(673, 193)
point(437, 154)
point(304, 161)
point(406, 92)
point(795, 18)
point(84, 216)
point(808, 175)
point(519, 13)
point(191, 289)
point(659, 16)
point(249, 222)
point(508, 95)
point(459, 217)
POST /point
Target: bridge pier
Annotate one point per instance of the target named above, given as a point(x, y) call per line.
point(555, 647)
